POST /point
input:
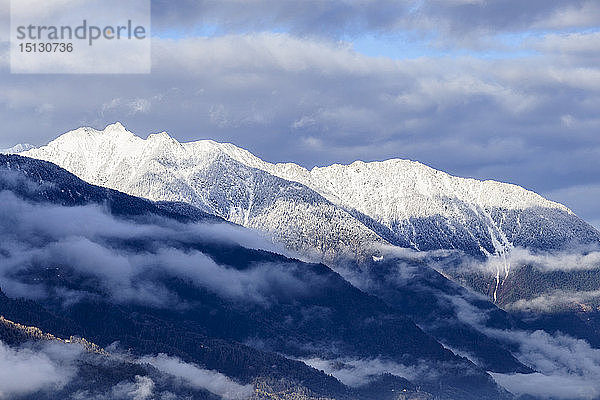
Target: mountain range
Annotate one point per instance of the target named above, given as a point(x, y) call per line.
point(404, 270)
point(328, 213)
point(156, 281)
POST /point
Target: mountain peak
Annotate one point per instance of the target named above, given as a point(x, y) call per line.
point(117, 129)
point(18, 148)
point(161, 137)
point(116, 126)
point(380, 189)
point(113, 131)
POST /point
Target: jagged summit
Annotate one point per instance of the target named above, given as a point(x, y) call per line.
point(113, 132)
point(18, 148)
point(410, 179)
point(325, 209)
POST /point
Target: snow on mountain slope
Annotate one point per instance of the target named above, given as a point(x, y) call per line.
point(392, 188)
point(416, 206)
point(401, 202)
point(205, 175)
point(412, 202)
point(16, 149)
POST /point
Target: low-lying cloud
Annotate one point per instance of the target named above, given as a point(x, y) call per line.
point(551, 269)
point(577, 259)
point(556, 300)
point(357, 372)
point(567, 368)
point(49, 366)
point(127, 258)
point(140, 389)
point(199, 378)
point(25, 370)
point(548, 386)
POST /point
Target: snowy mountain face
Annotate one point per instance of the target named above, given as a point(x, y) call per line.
point(19, 148)
point(205, 175)
point(419, 207)
point(328, 210)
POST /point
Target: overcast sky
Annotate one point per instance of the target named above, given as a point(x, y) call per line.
point(491, 89)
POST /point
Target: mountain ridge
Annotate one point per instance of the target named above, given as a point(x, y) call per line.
point(399, 202)
point(18, 148)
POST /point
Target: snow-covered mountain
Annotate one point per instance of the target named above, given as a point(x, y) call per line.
point(18, 148)
point(328, 210)
point(205, 175)
point(412, 201)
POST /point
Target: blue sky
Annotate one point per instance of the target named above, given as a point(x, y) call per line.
point(492, 89)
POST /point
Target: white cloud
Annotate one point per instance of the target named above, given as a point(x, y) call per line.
point(356, 372)
point(580, 14)
point(548, 386)
point(126, 275)
point(139, 106)
point(451, 19)
point(568, 43)
point(556, 300)
point(199, 378)
point(568, 368)
point(575, 259)
point(140, 389)
point(561, 361)
point(27, 370)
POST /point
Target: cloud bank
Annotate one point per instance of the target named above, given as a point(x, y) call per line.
point(196, 377)
point(27, 370)
point(567, 368)
point(49, 366)
point(338, 18)
point(576, 259)
point(54, 238)
point(287, 98)
point(557, 299)
point(356, 372)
